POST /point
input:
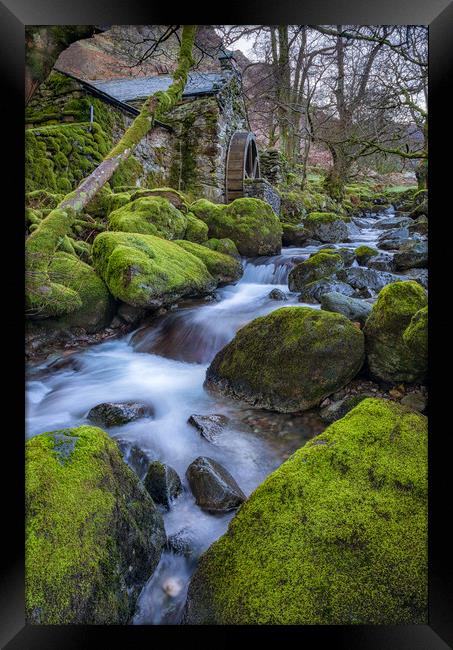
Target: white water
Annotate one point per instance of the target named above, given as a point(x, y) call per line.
point(165, 367)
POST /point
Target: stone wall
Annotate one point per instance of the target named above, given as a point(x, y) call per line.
point(260, 188)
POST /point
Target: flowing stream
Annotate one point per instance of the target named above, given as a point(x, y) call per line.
point(163, 363)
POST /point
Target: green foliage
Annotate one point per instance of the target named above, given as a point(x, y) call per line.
point(336, 535)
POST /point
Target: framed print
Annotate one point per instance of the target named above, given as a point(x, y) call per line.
point(234, 417)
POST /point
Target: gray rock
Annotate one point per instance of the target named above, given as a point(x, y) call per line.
point(412, 255)
point(180, 543)
point(338, 410)
point(381, 262)
point(111, 414)
point(294, 235)
point(135, 457)
point(209, 426)
point(277, 294)
point(346, 254)
point(332, 232)
point(419, 226)
point(353, 231)
point(352, 308)
point(415, 401)
point(363, 278)
point(130, 314)
point(315, 290)
point(392, 223)
point(393, 239)
point(213, 487)
point(419, 275)
point(162, 483)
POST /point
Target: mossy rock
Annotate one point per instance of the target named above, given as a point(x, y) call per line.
point(117, 200)
point(197, 230)
point(176, 198)
point(389, 356)
point(321, 265)
point(150, 215)
point(225, 245)
point(93, 534)
point(147, 271)
point(96, 306)
point(416, 334)
point(128, 173)
point(365, 253)
point(250, 223)
point(223, 268)
point(289, 360)
point(337, 535)
point(326, 227)
point(99, 206)
point(43, 199)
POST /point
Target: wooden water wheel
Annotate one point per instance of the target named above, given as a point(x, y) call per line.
point(242, 162)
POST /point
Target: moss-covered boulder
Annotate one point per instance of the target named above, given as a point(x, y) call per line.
point(96, 306)
point(336, 535)
point(196, 230)
point(321, 265)
point(294, 234)
point(365, 253)
point(250, 223)
point(176, 198)
point(326, 227)
point(223, 268)
point(147, 271)
point(289, 360)
point(93, 534)
point(416, 334)
point(150, 215)
point(389, 356)
point(224, 245)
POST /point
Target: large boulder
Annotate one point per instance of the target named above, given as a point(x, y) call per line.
point(393, 239)
point(294, 234)
point(147, 271)
point(289, 360)
point(412, 255)
point(93, 534)
point(389, 356)
point(352, 308)
point(363, 278)
point(250, 223)
point(337, 535)
point(96, 304)
point(197, 230)
point(149, 215)
point(416, 334)
point(225, 245)
point(326, 226)
point(222, 267)
point(213, 487)
point(321, 265)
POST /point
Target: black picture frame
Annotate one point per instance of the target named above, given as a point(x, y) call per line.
point(14, 15)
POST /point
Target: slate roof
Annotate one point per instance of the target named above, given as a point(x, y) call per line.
point(130, 89)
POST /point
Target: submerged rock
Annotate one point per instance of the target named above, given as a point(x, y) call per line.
point(392, 353)
point(213, 487)
point(162, 483)
point(181, 543)
point(209, 426)
point(250, 223)
point(277, 294)
point(136, 458)
point(93, 534)
point(352, 308)
point(289, 360)
point(292, 557)
point(111, 414)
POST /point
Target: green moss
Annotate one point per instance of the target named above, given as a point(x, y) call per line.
point(117, 200)
point(150, 215)
point(147, 271)
point(415, 335)
point(336, 535)
point(176, 198)
point(197, 230)
point(364, 253)
point(128, 173)
point(58, 157)
point(389, 357)
point(225, 245)
point(87, 516)
point(223, 268)
point(289, 360)
point(250, 223)
point(322, 217)
point(43, 199)
point(321, 265)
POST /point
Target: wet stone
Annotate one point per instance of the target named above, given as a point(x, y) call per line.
point(213, 487)
point(111, 414)
point(135, 457)
point(209, 426)
point(277, 294)
point(162, 483)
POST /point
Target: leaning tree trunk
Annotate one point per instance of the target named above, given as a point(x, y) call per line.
point(47, 298)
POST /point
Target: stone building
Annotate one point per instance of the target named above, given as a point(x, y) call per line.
point(203, 147)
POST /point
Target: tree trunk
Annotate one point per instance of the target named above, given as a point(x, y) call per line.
point(43, 45)
point(337, 176)
point(47, 298)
